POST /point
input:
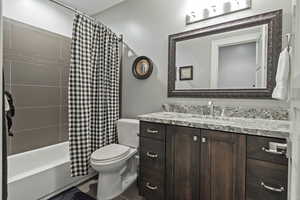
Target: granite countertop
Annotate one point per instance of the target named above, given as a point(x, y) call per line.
point(259, 127)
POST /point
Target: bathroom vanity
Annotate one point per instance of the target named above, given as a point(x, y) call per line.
point(190, 156)
point(198, 152)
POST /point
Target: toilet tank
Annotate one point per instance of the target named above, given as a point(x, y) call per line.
point(128, 130)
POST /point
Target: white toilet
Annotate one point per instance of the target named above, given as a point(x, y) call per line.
point(117, 164)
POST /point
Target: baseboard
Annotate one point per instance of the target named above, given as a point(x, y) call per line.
point(88, 177)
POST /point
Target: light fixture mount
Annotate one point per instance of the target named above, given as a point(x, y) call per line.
point(224, 7)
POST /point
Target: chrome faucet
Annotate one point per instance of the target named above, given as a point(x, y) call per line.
point(211, 107)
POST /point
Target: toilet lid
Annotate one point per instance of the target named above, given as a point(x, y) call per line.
point(110, 152)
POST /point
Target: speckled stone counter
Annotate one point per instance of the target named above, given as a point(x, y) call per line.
point(259, 127)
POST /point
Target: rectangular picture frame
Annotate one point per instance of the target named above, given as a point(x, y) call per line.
point(186, 73)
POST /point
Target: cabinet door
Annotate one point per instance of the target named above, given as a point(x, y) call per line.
point(223, 166)
point(182, 163)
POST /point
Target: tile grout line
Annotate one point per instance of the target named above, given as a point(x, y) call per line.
point(34, 129)
point(33, 85)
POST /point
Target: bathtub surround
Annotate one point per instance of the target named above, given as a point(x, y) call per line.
point(37, 78)
point(30, 170)
point(93, 91)
point(276, 113)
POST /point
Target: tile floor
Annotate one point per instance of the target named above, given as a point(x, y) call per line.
point(90, 188)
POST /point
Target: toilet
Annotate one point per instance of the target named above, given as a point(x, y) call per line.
point(117, 164)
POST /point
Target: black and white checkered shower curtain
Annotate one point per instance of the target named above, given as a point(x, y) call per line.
point(93, 91)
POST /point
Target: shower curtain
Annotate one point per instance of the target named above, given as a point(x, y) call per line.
point(93, 91)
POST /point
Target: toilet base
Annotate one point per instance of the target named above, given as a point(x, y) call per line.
point(113, 184)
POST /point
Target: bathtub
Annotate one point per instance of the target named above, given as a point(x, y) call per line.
point(41, 173)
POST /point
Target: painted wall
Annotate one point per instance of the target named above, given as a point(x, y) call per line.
point(40, 13)
point(240, 60)
point(295, 107)
point(146, 26)
point(197, 52)
point(1, 92)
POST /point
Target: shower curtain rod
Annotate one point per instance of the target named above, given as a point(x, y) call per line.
point(78, 11)
point(121, 41)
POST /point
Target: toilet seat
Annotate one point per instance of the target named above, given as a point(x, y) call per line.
point(110, 153)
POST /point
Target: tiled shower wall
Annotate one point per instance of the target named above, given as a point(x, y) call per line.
point(36, 64)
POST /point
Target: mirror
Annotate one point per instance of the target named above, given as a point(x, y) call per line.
point(142, 67)
point(242, 52)
point(234, 59)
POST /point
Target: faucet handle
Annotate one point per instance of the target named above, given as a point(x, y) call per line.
point(223, 112)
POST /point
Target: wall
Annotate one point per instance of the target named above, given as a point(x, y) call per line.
point(296, 58)
point(146, 26)
point(198, 52)
point(1, 125)
point(295, 107)
point(241, 60)
point(188, 53)
point(37, 78)
point(44, 74)
point(40, 13)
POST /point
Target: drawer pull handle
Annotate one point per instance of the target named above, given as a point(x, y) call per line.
point(148, 185)
point(152, 131)
point(152, 155)
point(272, 188)
point(273, 151)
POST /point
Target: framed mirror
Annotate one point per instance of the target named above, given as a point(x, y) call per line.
point(236, 59)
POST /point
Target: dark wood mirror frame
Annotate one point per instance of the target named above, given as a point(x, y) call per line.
point(274, 22)
point(135, 72)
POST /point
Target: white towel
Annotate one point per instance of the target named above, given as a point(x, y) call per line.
point(7, 106)
point(281, 90)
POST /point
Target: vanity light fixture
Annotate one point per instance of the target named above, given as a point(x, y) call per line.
point(223, 7)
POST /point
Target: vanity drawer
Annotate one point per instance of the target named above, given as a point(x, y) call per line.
point(266, 181)
point(152, 130)
point(151, 185)
point(152, 154)
point(258, 148)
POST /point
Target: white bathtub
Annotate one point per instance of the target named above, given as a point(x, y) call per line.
point(40, 173)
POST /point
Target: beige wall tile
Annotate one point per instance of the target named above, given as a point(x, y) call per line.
point(36, 64)
point(31, 118)
point(29, 140)
point(34, 74)
point(35, 96)
point(42, 44)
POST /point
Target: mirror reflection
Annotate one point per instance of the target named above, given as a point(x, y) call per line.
point(142, 67)
point(231, 60)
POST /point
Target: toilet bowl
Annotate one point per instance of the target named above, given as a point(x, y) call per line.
point(117, 164)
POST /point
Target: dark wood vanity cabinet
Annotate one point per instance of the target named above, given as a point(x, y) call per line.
point(222, 165)
point(204, 164)
point(267, 171)
point(181, 163)
point(152, 161)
